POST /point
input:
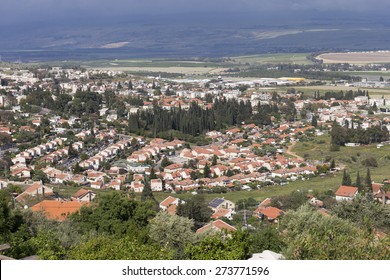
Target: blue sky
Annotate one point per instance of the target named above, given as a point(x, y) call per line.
point(25, 11)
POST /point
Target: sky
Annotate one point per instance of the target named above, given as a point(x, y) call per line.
point(46, 11)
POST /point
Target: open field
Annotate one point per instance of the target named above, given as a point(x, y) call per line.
point(373, 92)
point(356, 57)
point(350, 157)
point(294, 58)
point(177, 69)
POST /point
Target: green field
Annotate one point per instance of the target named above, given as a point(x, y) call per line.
point(348, 157)
point(294, 58)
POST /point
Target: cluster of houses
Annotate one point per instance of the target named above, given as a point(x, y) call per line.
point(51, 149)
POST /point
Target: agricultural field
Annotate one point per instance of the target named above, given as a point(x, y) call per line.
point(293, 58)
point(356, 57)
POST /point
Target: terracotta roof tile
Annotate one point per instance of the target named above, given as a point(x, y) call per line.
point(58, 210)
point(347, 191)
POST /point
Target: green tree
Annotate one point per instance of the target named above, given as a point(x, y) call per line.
point(216, 247)
point(368, 181)
point(115, 214)
point(39, 175)
point(147, 193)
point(196, 209)
point(314, 121)
point(309, 235)
point(215, 160)
point(266, 238)
point(206, 171)
point(172, 232)
point(365, 212)
point(332, 164)
point(346, 179)
point(358, 182)
point(103, 247)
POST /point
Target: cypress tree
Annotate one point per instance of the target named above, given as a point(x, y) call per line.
point(206, 171)
point(314, 121)
point(358, 182)
point(332, 164)
point(346, 179)
point(368, 180)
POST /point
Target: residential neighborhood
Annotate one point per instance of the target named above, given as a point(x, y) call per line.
point(226, 155)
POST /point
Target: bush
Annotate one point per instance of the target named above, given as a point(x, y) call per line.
point(370, 162)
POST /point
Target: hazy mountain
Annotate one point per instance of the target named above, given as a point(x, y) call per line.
point(46, 30)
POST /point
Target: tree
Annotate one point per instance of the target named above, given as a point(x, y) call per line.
point(115, 214)
point(152, 174)
point(381, 79)
point(206, 171)
point(266, 238)
point(358, 182)
point(77, 169)
point(165, 162)
point(130, 87)
point(39, 175)
point(172, 232)
point(314, 121)
point(5, 139)
point(216, 247)
point(368, 181)
point(346, 179)
point(103, 247)
point(291, 201)
point(147, 191)
point(365, 212)
point(332, 164)
point(215, 160)
point(309, 235)
point(195, 209)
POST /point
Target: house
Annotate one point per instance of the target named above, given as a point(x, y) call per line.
point(3, 184)
point(35, 190)
point(218, 203)
point(265, 203)
point(115, 184)
point(222, 212)
point(169, 201)
point(19, 159)
point(217, 225)
point(84, 195)
point(346, 193)
point(137, 187)
point(156, 185)
point(58, 210)
point(22, 173)
point(98, 184)
point(270, 213)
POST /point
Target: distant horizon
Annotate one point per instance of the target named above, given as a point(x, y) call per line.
point(47, 30)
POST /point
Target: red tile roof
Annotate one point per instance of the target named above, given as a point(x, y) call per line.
point(218, 225)
point(58, 210)
point(271, 212)
point(168, 201)
point(347, 191)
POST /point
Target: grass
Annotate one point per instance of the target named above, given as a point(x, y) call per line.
point(348, 157)
point(294, 58)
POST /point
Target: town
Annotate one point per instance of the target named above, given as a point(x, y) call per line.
point(68, 135)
